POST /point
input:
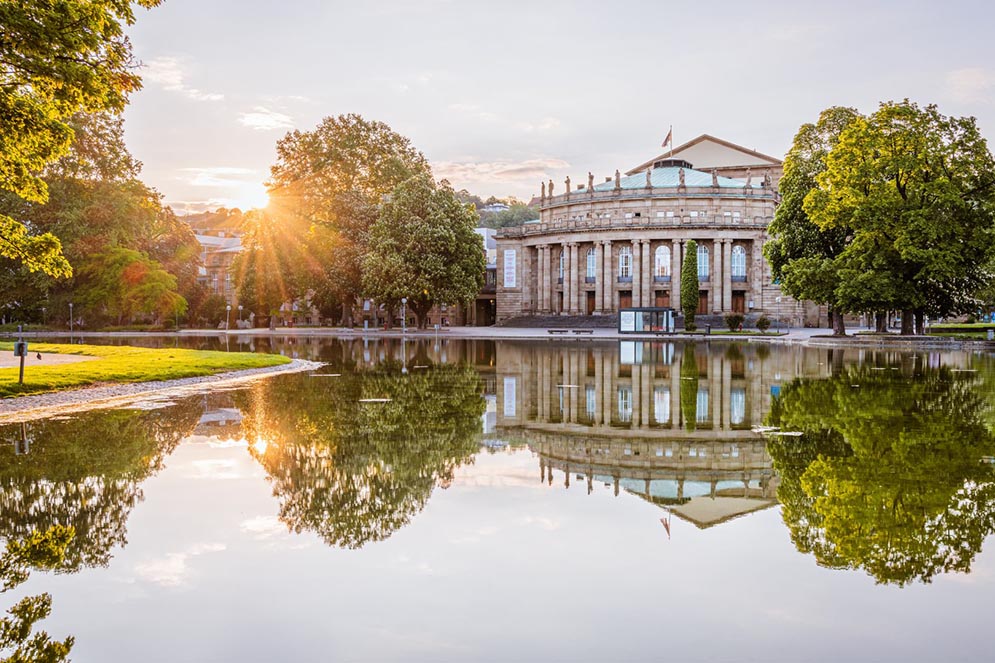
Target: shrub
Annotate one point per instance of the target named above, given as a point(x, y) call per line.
point(763, 323)
point(734, 321)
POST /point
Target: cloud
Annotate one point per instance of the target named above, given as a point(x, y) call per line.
point(265, 119)
point(171, 569)
point(502, 171)
point(263, 527)
point(168, 73)
point(218, 175)
point(545, 124)
point(971, 85)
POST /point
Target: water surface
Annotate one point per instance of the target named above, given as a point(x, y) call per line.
point(447, 500)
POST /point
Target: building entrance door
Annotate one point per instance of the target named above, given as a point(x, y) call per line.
point(625, 299)
point(662, 299)
point(703, 302)
point(590, 303)
point(739, 302)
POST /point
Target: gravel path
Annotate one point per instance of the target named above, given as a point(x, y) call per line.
point(138, 394)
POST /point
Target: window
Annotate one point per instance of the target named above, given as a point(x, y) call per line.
point(592, 264)
point(625, 404)
point(701, 415)
point(661, 405)
point(738, 263)
point(625, 262)
point(591, 398)
point(661, 262)
point(562, 259)
point(737, 406)
point(702, 262)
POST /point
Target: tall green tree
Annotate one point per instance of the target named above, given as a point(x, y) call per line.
point(334, 177)
point(915, 191)
point(802, 256)
point(689, 284)
point(423, 247)
point(57, 58)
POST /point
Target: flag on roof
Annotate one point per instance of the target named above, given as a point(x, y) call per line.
point(670, 134)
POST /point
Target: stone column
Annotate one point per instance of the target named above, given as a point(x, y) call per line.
point(755, 272)
point(574, 358)
point(599, 295)
point(598, 386)
point(647, 278)
point(607, 395)
point(574, 279)
point(609, 281)
point(727, 275)
point(647, 389)
point(675, 275)
point(636, 268)
point(540, 272)
point(716, 276)
point(565, 306)
point(715, 390)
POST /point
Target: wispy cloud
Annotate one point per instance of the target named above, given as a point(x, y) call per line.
point(543, 124)
point(971, 85)
point(171, 569)
point(218, 175)
point(263, 527)
point(266, 119)
point(168, 72)
point(502, 171)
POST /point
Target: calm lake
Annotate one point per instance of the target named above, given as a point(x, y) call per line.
point(472, 500)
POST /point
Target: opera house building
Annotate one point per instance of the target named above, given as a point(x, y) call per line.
point(603, 246)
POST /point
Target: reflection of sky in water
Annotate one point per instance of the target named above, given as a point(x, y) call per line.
point(513, 558)
point(498, 566)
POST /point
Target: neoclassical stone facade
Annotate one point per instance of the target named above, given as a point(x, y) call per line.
point(622, 243)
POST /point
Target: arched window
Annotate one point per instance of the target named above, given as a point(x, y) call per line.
point(562, 264)
point(661, 262)
point(702, 262)
point(625, 262)
point(592, 265)
point(738, 263)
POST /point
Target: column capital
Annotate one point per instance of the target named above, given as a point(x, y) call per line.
point(677, 240)
point(606, 242)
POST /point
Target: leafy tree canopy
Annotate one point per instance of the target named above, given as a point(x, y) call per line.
point(57, 58)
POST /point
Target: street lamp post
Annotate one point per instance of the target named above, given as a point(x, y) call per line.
point(44, 319)
point(404, 315)
point(70, 322)
point(227, 316)
point(239, 315)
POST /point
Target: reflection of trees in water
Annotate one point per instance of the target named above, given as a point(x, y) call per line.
point(890, 474)
point(38, 551)
point(357, 472)
point(86, 473)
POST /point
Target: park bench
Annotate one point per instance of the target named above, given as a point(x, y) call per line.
point(557, 331)
point(583, 331)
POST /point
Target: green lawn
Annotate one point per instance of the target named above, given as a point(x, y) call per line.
point(121, 364)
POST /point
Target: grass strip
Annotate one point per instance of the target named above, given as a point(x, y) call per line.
point(120, 364)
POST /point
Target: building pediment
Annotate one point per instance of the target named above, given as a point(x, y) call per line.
point(706, 152)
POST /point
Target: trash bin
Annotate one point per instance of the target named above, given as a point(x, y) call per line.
point(708, 329)
point(991, 334)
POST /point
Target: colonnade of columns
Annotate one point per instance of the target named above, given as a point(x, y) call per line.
point(643, 285)
point(564, 385)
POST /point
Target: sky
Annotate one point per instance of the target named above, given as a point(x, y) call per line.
point(500, 96)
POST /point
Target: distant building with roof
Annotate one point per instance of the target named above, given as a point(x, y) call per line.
point(217, 253)
point(620, 243)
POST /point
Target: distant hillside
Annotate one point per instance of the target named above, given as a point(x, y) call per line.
point(499, 213)
point(228, 221)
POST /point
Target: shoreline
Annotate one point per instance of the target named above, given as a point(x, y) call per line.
point(151, 394)
point(814, 337)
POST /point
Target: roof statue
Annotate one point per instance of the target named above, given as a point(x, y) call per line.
point(649, 178)
point(590, 181)
point(618, 179)
point(680, 175)
point(543, 195)
point(568, 184)
point(715, 178)
point(550, 189)
point(749, 178)
point(768, 182)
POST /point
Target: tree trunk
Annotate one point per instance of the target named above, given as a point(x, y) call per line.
point(346, 315)
point(836, 361)
point(839, 326)
point(881, 322)
point(908, 322)
point(920, 322)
